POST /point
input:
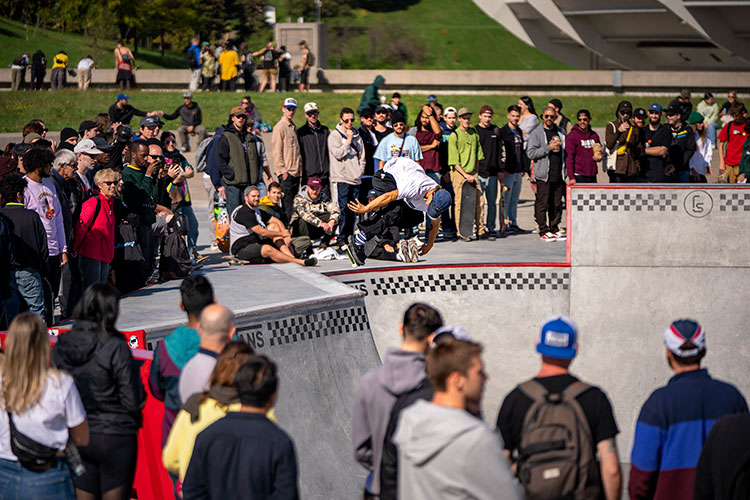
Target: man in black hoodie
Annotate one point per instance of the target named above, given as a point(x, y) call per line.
point(313, 144)
point(682, 147)
point(38, 69)
point(30, 249)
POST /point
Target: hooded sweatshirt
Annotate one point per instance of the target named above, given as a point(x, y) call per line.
point(370, 98)
point(447, 453)
point(106, 375)
point(347, 157)
point(579, 152)
point(400, 372)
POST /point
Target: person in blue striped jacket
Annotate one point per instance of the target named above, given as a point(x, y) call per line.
point(676, 419)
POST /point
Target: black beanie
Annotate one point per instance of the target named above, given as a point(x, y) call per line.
point(397, 117)
point(67, 133)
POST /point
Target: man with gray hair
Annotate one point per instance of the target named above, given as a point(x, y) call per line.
point(216, 329)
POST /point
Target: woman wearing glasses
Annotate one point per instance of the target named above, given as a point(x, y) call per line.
point(94, 241)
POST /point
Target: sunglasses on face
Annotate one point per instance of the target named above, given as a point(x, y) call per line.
point(240, 117)
point(111, 183)
point(312, 113)
point(169, 141)
point(157, 157)
point(583, 119)
point(548, 117)
point(347, 120)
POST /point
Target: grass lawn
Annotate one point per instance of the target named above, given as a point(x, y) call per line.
point(13, 43)
point(68, 108)
point(455, 33)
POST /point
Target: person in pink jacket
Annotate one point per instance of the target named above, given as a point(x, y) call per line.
point(582, 150)
point(94, 241)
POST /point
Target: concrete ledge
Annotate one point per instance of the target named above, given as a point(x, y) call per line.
point(337, 79)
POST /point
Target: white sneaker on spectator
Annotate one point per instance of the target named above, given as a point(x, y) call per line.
point(548, 237)
point(560, 235)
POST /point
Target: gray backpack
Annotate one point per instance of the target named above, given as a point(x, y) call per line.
point(556, 454)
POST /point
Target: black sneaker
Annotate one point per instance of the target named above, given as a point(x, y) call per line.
point(357, 252)
point(311, 261)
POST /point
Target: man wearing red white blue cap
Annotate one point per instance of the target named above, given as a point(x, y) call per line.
point(558, 346)
point(675, 420)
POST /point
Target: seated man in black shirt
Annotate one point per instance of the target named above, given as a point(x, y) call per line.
point(558, 346)
point(252, 239)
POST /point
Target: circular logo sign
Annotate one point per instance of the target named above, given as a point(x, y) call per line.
point(698, 204)
point(133, 342)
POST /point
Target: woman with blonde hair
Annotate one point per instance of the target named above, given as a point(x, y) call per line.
point(203, 409)
point(41, 404)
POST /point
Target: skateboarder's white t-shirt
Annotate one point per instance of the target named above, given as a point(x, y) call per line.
point(411, 181)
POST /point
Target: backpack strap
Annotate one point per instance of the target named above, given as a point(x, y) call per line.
point(534, 390)
point(576, 389)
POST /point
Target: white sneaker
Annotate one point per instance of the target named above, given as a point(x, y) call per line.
point(402, 253)
point(560, 235)
point(413, 250)
point(548, 237)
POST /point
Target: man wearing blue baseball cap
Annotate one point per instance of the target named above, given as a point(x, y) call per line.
point(122, 112)
point(676, 419)
point(406, 193)
point(558, 346)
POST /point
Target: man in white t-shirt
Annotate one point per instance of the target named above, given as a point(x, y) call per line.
point(85, 66)
point(405, 193)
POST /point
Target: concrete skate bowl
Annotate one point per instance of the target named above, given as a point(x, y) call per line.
point(639, 257)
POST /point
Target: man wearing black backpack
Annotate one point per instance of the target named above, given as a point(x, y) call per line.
point(38, 69)
point(554, 425)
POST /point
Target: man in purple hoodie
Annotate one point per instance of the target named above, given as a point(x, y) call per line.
point(581, 150)
point(402, 370)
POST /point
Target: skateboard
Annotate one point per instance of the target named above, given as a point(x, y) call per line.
point(468, 207)
point(234, 261)
point(503, 225)
point(221, 222)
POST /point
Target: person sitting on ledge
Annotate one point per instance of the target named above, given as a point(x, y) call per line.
point(251, 238)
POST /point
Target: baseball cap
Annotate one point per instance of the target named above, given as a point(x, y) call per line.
point(86, 125)
point(122, 96)
point(187, 95)
point(681, 331)
point(655, 107)
point(556, 103)
point(314, 182)
point(464, 111)
point(450, 109)
point(7, 165)
point(695, 117)
point(366, 113)
point(102, 143)
point(672, 110)
point(238, 110)
point(441, 200)
point(372, 193)
point(398, 117)
point(383, 109)
point(290, 102)
point(31, 137)
point(87, 146)
point(685, 93)
point(486, 109)
point(450, 331)
point(431, 98)
point(640, 113)
point(558, 338)
point(150, 121)
point(311, 106)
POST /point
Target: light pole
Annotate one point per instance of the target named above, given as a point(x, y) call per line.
point(318, 4)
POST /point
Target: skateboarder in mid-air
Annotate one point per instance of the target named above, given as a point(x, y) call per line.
point(405, 194)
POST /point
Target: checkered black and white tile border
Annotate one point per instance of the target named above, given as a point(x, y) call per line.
point(467, 281)
point(324, 323)
point(626, 202)
point(734, 202)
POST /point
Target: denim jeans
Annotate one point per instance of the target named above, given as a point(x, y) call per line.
point(26, 285)
point(513, 182)
point(192, 235)
point(17, 483)
point(92, 271)
point(489, 186)
point(435, 176)
point(344, 194)
point(712, 128)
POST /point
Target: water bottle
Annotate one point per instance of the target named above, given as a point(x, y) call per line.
point(74, 460)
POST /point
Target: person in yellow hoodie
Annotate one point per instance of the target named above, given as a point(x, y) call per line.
point(203, 409)
point(59, 67)
point(229, 62)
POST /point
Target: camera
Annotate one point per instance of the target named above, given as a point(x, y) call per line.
point(124, 133)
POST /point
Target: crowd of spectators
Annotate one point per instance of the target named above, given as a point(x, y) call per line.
point(72, 413)
point(112, 203)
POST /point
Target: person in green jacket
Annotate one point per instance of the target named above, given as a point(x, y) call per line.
point(140, 193)
point(398, 105)
point(370, 97)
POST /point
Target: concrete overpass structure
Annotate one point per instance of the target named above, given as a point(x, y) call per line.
point(632, 34)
